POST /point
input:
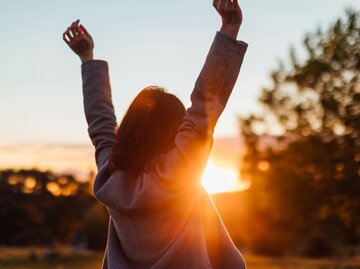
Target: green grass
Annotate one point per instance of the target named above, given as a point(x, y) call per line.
point(65, 258)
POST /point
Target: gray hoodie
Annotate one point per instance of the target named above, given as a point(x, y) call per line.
point(164, 218)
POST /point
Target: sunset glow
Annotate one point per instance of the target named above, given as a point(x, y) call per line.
point(218, 179)
point(220, 174)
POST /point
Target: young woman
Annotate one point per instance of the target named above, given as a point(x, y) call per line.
point(150, 167)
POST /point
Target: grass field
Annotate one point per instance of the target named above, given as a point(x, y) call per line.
point(31, 258)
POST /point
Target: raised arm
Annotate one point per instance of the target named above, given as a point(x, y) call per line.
point(221, 69)
point(98, 106)
point(213, 87)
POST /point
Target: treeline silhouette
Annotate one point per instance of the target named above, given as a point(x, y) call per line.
point(42, 208)
point(286, 210)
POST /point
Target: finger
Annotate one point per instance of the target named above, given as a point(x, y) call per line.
point(74, 27)
point(75, 31)
point(69, 39)
point(66, 38)
point(69, 34)
point(75, 23)
point(83, 30)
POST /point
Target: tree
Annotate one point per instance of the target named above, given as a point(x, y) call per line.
point(43, 208)
point(321, 94)
point(305, 189)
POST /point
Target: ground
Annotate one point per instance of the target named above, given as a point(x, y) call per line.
point(63, 258)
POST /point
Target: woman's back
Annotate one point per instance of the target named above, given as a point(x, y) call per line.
point(149, 221)
point(151, 227)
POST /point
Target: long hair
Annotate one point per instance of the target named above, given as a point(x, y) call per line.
point(148, 128)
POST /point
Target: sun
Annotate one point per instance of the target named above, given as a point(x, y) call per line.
point(218, 179)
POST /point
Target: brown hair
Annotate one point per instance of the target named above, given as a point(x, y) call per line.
point(148, 128)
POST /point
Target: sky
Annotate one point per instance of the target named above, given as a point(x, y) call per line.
point(145, 43)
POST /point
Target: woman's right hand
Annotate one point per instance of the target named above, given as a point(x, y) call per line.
point(231, 16)
point(79, 40)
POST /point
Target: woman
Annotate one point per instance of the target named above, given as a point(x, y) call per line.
point(150, 168)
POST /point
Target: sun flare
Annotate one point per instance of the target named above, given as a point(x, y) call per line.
point(218, 179)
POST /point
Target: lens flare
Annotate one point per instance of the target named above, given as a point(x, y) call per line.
point(218, 179)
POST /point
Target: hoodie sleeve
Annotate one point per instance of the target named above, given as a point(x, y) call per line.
point(184, 164)
point(99, 110)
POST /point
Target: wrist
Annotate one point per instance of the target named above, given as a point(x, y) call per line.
point(85, 58)
point(230, 30)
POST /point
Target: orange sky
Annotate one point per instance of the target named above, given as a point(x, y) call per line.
point(79, 159)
